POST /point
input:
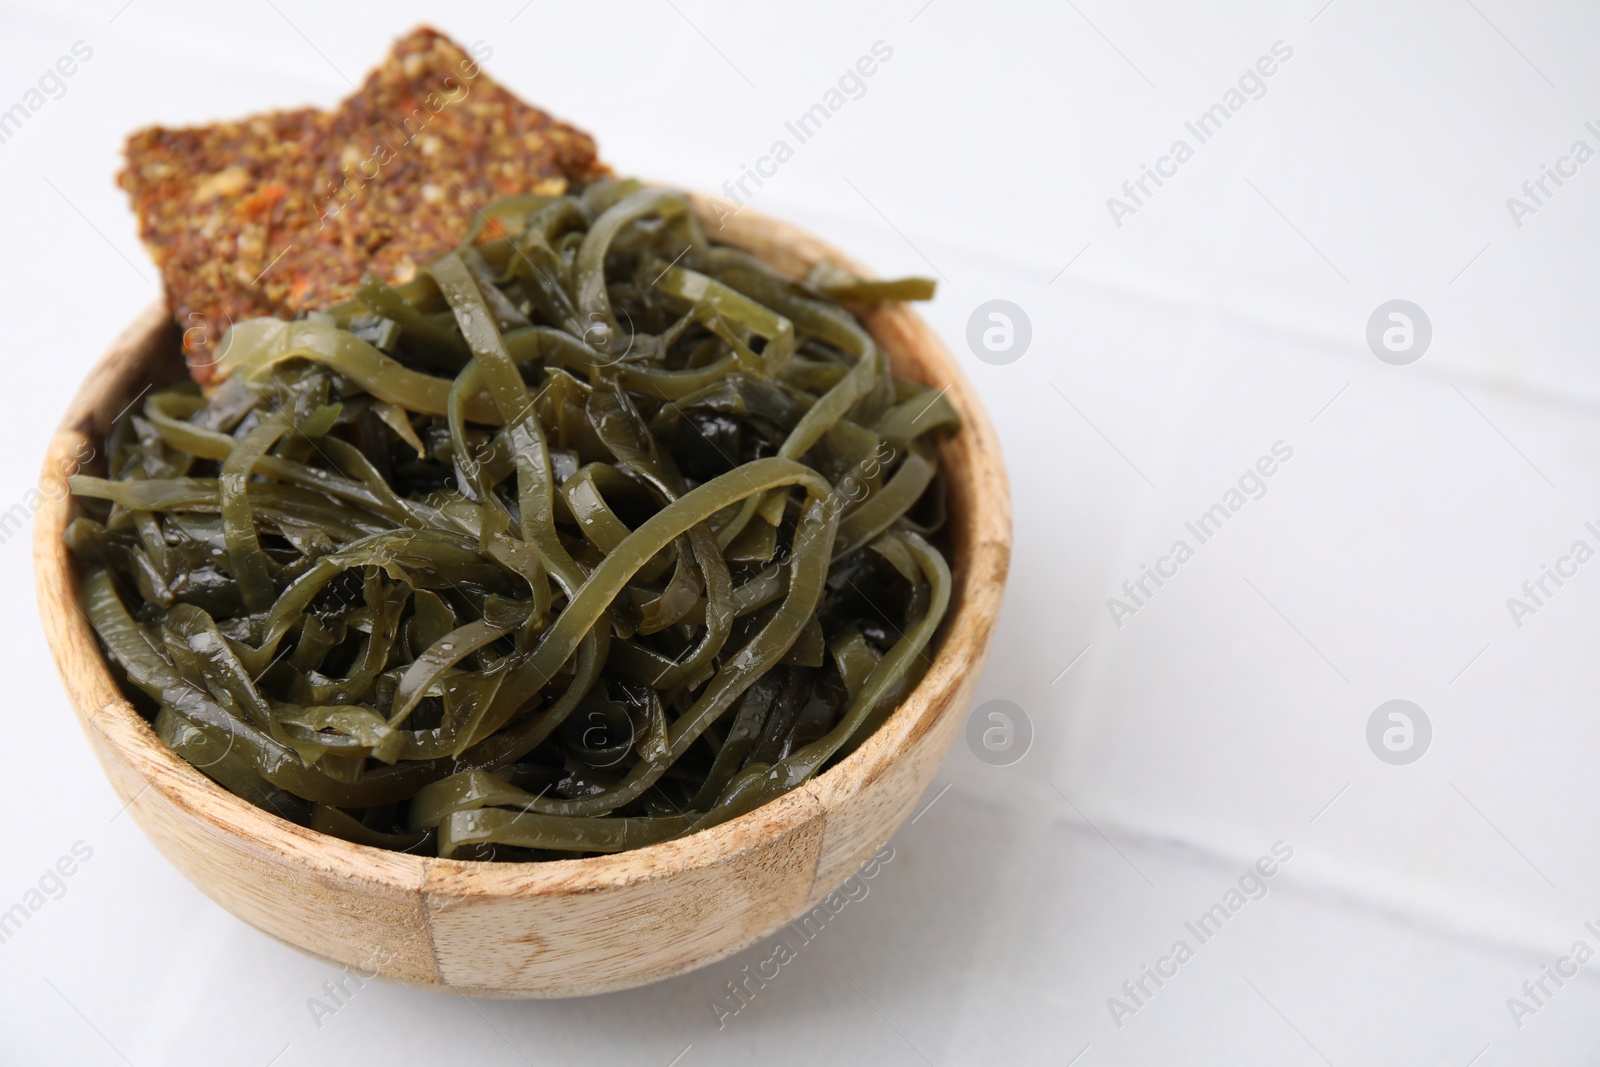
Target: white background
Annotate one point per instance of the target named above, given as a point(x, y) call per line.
point(1227, 314)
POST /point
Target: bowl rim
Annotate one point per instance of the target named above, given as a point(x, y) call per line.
point(983, 542)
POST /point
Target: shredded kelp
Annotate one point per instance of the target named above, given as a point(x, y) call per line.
point(591, 535)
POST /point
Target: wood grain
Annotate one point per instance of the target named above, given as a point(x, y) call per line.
point(570, 927)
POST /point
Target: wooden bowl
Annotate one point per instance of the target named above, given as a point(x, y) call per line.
point(568, 927)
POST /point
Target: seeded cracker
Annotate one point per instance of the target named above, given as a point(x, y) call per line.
point(282, 212)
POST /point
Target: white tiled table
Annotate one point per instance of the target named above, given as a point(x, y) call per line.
point(1228, 313)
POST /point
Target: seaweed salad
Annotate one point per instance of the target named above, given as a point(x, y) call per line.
point(592, 534)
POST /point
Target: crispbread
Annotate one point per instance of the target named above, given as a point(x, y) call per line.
point(283, 212)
